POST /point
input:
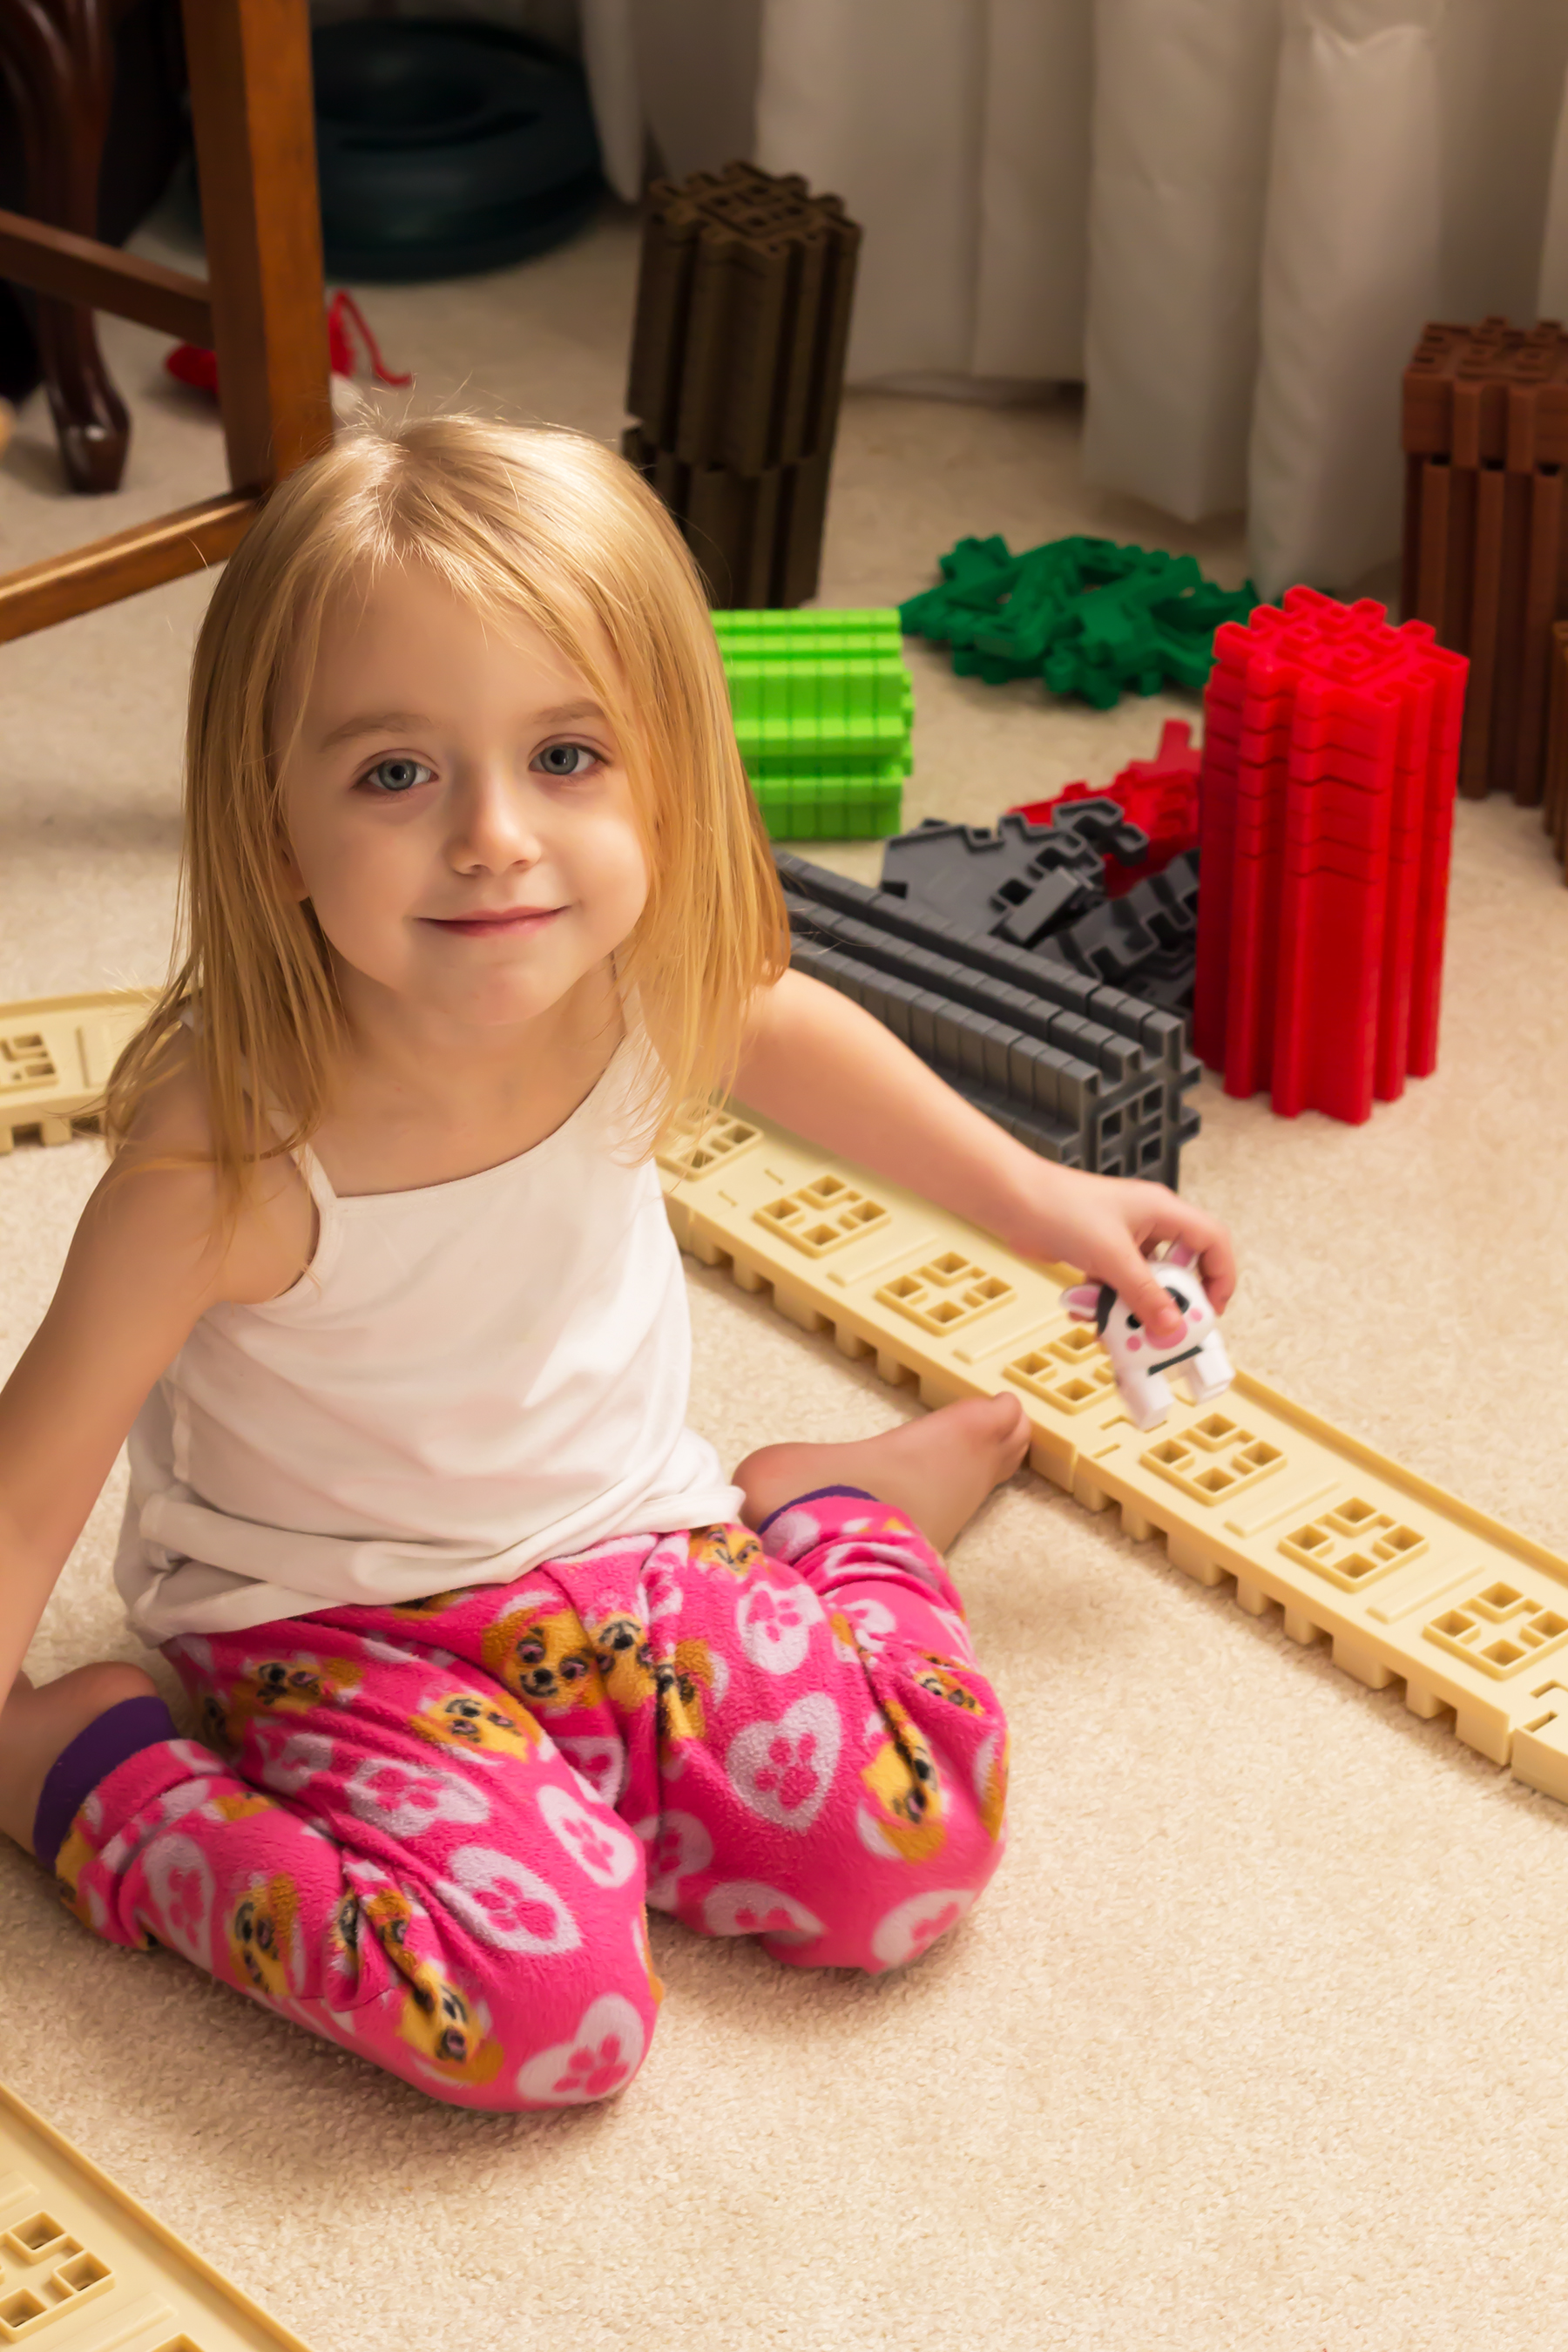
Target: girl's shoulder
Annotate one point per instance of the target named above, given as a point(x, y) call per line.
point(166, 1170)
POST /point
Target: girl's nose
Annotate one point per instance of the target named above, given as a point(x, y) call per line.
point(490, 825)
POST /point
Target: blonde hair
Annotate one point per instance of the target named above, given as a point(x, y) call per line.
point(541, 524)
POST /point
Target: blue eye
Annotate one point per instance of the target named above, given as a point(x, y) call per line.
point(400, 775)
point(567, 758)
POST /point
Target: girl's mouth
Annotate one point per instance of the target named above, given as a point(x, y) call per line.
point(512, 920)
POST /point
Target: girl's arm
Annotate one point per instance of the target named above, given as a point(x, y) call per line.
point(143, 1267)
point(137, 1276)
point(823, 1066)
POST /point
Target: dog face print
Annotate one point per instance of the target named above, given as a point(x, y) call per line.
point(544, 1656)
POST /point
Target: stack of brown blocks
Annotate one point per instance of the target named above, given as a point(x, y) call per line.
point(1556, 797)
point(1485, 537)
point(737, 366)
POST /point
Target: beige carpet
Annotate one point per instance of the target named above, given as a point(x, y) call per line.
point(1255, 2041)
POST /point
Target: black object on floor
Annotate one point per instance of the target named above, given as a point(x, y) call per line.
point(445, 147)
point(1076, 1068)
point(1042, 887)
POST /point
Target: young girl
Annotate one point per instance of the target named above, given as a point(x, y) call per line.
point(484, 1651)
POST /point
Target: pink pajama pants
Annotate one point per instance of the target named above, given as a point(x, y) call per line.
point(429, 1832)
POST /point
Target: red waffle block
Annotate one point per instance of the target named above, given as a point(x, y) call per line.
point(1331, 750)
point(1328, 994)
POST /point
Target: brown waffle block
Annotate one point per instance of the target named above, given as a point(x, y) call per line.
point(1486, 548)
point(1555, 810)
point(743, 319)
point(737, 367)
point(757, 538)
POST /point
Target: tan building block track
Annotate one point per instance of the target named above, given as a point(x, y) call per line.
point(56, 1055)
point(85, 2268)
point(1407, 1583)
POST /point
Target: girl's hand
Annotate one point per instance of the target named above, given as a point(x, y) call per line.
point(1108, 1225)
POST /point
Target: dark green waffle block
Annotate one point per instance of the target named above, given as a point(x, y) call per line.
point(823, 707)
point(1087, 616)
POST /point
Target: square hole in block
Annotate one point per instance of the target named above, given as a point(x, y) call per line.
point(38, 2233)
point(1213, 1430)
point(1499, 1596)
point(83, 2269)
point(946, 1267)
point(16, 2310)
point(1355, 1512)
point(1214, 1480)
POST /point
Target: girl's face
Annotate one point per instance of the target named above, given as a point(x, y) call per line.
point(457, 814)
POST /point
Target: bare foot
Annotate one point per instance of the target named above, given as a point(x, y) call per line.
point(938, 1469)
point(39, 1720)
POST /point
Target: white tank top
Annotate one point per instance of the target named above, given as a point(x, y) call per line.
point(468, 1379)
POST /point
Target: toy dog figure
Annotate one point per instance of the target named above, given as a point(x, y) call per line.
point(1141, 1367)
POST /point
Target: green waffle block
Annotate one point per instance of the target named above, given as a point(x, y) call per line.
point(1087, 616)
point(842, 808)
point(823, 707)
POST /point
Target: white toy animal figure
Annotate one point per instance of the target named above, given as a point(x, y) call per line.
point(1141, 1367)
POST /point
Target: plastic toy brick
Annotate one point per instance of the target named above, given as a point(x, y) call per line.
point(85, 2268)
point(756, 537)
point(742, 317)
point(737, 369)
point(1088, 616)
point(1330, 745)
point(1486, 429)
point(1160, 796)
point(1022, 881)
point(1052, 1047)
point(1554, 809)
point(56, 1055)
point(823, 707)
point(1408, 1583)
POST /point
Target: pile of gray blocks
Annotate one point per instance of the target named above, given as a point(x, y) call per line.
point(1079, 1071)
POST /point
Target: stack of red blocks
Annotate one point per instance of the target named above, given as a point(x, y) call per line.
point(1330, 756)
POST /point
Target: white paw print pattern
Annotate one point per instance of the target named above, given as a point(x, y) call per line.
point(784, 1769)
point(599, 2060)
point(775, 1622)
point(180, 1881)
point(502, 1902)
point(599, 1761)
point(602, 1850)
point(874, 1623)
point(905, 1932)
point(403, 1800)
point(745, 1907)
point(795, 1531)
point(288, 1759)
point(677, 1845)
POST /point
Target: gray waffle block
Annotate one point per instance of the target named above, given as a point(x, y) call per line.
point(1094, 1062)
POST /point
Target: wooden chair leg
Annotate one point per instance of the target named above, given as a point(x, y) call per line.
point(255, 160)
point(57, 56)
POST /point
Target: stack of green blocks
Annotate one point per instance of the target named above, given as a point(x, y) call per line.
point(822, 706)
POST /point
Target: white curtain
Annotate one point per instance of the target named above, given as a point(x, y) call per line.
point(1229, 217)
